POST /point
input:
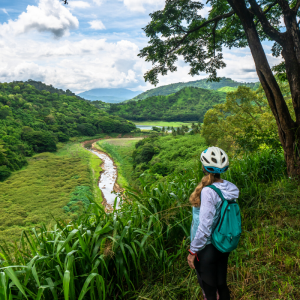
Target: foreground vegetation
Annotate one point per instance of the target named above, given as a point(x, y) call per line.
point(139, 251)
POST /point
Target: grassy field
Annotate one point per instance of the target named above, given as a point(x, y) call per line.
point(39, 192)
point(121, 152)
point(123, 142)
point(161, 123)
point(227, 89)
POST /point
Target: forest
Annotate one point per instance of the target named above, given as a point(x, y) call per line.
point(33, 121)
point(188, 104)
point(203, 84)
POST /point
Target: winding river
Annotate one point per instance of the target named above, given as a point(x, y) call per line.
point(108, 179)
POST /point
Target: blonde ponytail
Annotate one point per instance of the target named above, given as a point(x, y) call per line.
point(205, 181)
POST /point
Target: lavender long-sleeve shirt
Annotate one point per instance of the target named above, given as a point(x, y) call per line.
point(210, 210)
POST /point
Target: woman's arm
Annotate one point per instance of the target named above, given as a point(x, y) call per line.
point(207, 213)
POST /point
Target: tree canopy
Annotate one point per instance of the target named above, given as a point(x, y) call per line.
point(244, 122)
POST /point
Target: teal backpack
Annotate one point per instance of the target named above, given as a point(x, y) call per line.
point(229, 227)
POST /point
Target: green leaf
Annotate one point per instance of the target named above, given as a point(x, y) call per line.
point(87, 283)
point(66, 284)
point(11, 274)
point(3, 289)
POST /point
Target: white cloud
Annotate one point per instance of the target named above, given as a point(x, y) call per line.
point(97, 25)
point(98, 2)
point(79, 4)
point(80, 65)
point(81, 62)
point(139, 5)
point(48, 16)
point(5, 11)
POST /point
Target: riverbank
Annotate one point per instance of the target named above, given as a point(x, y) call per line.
point(121, 150)
point(114, 157)
point(107, 183)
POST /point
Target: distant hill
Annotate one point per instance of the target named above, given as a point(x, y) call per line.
point(49, 88)
point(109, 95)
point(188, 104)
point(203, 83)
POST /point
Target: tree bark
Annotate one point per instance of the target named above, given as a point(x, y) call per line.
point(287, 128)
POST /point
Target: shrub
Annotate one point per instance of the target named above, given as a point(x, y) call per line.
point(4, 173)
point(62, 137)
point(81, 194)
point(86, 129)
point(41, 141)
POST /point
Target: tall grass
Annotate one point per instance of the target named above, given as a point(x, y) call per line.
point(139, 251)
point(118, 248)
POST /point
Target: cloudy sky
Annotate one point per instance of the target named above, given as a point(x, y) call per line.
point(90, 44)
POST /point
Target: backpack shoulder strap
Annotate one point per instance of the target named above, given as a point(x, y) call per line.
point(218, 191)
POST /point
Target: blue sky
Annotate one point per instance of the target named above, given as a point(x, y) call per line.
point(90, 44)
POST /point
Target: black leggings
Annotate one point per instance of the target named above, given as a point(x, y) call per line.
point(211, 271)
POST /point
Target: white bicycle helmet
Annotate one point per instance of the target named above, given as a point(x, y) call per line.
point(214, 160)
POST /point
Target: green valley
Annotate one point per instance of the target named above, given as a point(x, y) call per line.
point(33, 121)
point(133, 252)
point(188, 104)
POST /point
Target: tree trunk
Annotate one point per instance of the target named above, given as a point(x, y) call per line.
point(287, 128)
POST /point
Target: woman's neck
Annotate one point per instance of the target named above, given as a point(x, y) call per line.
point(219, 180)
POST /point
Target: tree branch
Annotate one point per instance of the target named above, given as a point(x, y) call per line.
point(271, 6)
point(216, 19)
point(296, 7)
point(267, 27)
point(284, 5)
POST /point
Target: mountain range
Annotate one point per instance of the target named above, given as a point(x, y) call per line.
point(118, 95)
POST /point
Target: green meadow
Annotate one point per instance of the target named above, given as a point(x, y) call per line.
point(38, 192)
point(163, 124)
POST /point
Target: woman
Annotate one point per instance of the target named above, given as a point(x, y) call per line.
point(210, 263)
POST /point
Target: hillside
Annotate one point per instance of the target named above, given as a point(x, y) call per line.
point(33, 121)
point(108, 95)
point(188, 104)
point(49, 88)
point(203, 83)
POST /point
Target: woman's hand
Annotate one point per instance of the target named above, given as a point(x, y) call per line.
point(190, 260)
